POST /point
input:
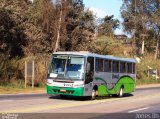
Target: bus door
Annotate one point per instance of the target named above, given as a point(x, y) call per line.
point(89, 76)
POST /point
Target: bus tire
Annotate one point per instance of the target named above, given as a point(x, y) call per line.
point(121, 92)
point(63, 96)
point(93, 95)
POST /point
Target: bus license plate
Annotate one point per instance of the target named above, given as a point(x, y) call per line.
point(62, 90)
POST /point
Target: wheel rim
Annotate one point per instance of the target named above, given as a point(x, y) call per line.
point(121, 92)
point(93, 94)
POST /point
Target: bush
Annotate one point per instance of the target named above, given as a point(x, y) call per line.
point(147, 62)
point(12, 70)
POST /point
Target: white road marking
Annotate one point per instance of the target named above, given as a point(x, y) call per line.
point(138, 109)
point(6, 101)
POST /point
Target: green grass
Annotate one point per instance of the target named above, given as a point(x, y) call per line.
point(18, 87)
point(14, 84)
point(147, 81)
point(11, 90)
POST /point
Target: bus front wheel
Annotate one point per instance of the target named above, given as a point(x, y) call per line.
point(63, 96)
point(93, 95)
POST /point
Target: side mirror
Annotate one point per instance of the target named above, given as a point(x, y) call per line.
point(88, 68)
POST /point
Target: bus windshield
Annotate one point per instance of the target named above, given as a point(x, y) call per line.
point(66, 67)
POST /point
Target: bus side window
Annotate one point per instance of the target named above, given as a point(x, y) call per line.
point(123, 67)
point(107, 65)
point(134, 70)
point(129, 67)
point(115, 66)
point(99, 65)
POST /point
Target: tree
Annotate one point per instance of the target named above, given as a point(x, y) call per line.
point(136, 17)
point(84, 34)
point(43, 13)
point(154, 11)
point(21, 36)
point(11, 31)
point(108, 26)
point(77, 26)
point(66, 23)
point(38, 24)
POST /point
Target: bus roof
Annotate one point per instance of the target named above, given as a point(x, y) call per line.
point(86, 53)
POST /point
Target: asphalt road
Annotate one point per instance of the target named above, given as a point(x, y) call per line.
point(143, 103)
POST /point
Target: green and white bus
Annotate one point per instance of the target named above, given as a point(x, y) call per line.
point(88, 74)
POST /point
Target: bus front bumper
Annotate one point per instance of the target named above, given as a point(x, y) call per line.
point(51, 90)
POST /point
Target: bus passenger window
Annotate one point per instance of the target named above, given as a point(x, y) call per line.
point(122, 67)
point(134, 70)
point(107, 65)
point(129, 67)
point(99, 65)
point(115, 66)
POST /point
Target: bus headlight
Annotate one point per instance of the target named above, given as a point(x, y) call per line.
point(49, 81)
point(78, 84)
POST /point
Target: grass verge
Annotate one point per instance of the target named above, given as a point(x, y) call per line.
point(11, 90)
point(16, 87)
point(147, 81)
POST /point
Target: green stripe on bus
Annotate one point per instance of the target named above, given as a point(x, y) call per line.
point(126, 81)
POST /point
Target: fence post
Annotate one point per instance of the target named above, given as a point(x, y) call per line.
point(33, 74)
point(25, 73)
point(156, 74)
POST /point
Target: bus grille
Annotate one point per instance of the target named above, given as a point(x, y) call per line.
point(65, 92)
